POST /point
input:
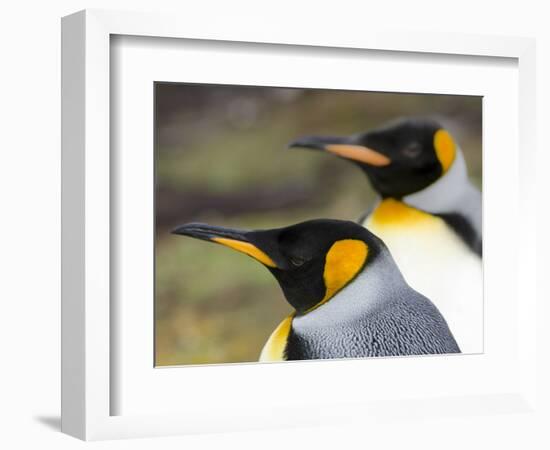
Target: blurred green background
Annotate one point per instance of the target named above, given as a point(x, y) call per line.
point(221, 158)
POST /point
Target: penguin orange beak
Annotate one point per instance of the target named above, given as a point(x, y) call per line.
point(235, 239)
point(341, 146)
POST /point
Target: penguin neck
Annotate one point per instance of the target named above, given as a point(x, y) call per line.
point(445, 194)
point(379, 282)
point(451, 194)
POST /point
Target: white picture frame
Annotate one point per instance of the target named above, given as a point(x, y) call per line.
point(89, 389)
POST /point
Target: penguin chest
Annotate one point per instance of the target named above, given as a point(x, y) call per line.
point(437, 263)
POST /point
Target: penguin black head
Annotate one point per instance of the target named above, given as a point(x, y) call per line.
point(400, 158)
point(311, 260)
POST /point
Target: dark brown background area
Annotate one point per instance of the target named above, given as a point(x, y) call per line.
point(221, 158)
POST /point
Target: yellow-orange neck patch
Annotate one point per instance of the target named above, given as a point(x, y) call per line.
point(274, 348)
point(391, 211)
point(343, 262)
point(247, 248)
point(445, 148)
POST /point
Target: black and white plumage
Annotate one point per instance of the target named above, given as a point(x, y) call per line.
point(428, 214)
point(349, 296)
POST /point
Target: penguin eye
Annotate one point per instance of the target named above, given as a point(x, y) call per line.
point(412, 150)
point(296, 261)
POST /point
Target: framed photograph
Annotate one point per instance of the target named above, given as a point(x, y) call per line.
point(214, 307)
point(252, 217)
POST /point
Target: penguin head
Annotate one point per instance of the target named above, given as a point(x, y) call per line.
point(400, 158)
point(311, 260)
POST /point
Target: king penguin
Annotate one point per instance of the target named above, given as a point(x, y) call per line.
point(349, 297)
point(427, 213)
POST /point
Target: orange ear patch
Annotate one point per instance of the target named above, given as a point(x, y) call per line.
point(445, 148)
point(343, 261)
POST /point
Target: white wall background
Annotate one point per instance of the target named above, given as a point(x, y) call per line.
point(30, 189)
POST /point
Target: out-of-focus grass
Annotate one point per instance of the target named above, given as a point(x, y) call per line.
point(214, 305)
